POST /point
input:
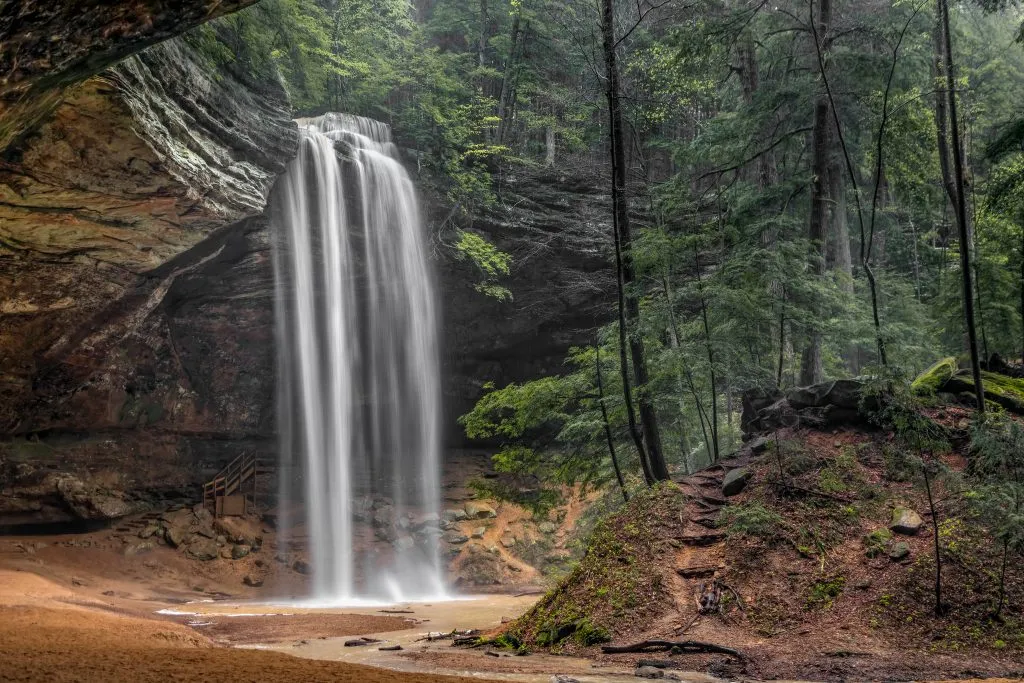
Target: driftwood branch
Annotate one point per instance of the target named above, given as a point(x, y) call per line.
point(685, 646)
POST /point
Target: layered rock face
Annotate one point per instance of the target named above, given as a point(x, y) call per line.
point(49, 45)
point(557, 228)
point(135, 284)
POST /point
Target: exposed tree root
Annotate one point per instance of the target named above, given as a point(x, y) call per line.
point(682, 646)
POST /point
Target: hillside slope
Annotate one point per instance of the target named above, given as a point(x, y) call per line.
point(798, 570)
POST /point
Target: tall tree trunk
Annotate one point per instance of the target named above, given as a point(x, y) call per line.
point(549, 145)
point(960, 202)
point(507, 80)
point(942, 126)
point(839, 234)
point(626, 276)
point(810, 366)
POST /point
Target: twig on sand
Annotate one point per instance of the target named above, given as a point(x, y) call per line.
point(689, 625)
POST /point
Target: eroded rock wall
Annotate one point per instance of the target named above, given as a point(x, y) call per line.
point(49, 45)
point(136, 350)
point(556, 225)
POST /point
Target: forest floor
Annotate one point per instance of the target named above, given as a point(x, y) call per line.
point(806, 580)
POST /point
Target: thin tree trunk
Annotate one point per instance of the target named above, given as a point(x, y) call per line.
point(939, 608)
point(961, 212)
point(782, 340)
point(624, 258)
point(607, 425)
point(711, 357)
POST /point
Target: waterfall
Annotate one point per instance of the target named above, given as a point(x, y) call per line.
point(359, 393)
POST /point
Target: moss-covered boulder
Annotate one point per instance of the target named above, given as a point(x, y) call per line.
point(1007, 392)
point(621, 581)
point(934, 379)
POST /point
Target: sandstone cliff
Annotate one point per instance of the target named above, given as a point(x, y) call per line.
point(133, 269)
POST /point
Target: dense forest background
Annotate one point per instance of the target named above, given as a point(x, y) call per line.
point(791, 175)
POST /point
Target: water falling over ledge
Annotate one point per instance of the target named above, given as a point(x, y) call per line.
point(359, 392)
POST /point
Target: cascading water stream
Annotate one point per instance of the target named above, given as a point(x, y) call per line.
point(359, 396)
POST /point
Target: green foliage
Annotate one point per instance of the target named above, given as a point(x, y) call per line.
point(492, 263)
point(998, 496)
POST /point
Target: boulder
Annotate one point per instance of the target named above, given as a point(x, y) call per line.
point(239, 551)
point(404, 543)
point(735, 481)
point(429, 519)
point(453, 515)
point(203, 549)
point(143, 547)
point(547, 527)
point(840, 393)
point(508, 540)
point(905, 521)
point(932, 380)
point(899, 551)
point(253, 580)
point(478, 510)
point(302, 567)
point(479, 532)
point(176, 536)
point(384, 516)
point(455, 538)
point(93, 502)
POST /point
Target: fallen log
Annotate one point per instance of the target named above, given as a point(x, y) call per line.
point(359, 642)
point(683, 646)
point(474, 641)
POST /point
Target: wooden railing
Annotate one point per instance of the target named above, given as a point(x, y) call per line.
point(231, 480)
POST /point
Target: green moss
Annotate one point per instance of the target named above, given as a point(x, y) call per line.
point(929, 382)
point(751, 519)
point(1006, 391)
point(823, 593)
point(874, 542)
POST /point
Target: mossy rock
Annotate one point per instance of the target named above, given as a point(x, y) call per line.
point(1006, 392)
point(929, 382)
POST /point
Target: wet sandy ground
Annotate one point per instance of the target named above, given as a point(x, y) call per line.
point(417, 655)
point(51, 633)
